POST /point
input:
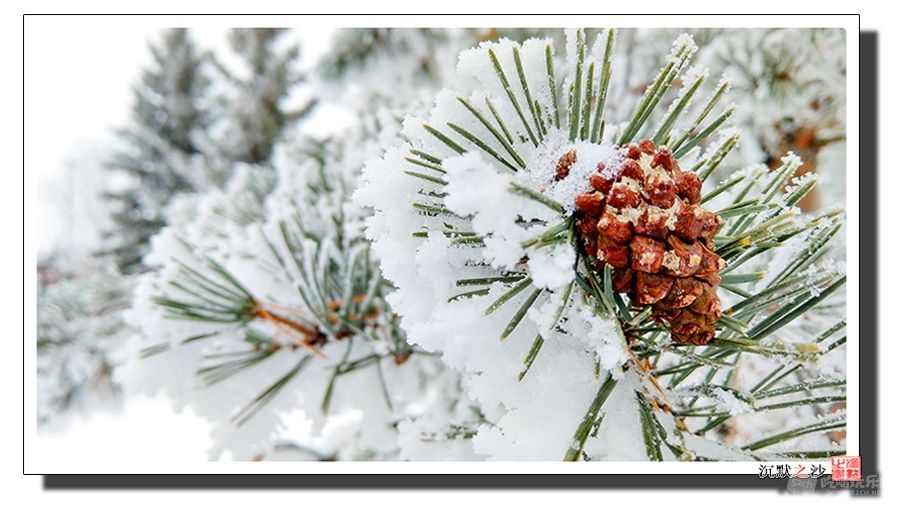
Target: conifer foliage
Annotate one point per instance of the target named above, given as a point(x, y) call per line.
point(80, 328)
point(486, 197)
point(512, 251)
point(158, 155)
point(257, 107)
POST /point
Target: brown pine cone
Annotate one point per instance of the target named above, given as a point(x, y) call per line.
point(646, 222)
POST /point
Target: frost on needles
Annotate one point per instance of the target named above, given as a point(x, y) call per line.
point(511, 244)
point(476, 222)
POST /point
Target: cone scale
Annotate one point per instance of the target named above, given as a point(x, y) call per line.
point(644, 219)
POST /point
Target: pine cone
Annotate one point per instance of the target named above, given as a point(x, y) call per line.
point(644, 219)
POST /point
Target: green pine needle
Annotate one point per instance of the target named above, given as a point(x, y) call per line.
point(508, 295)
point(517, 318)
point(498, 69)
point(587, 422)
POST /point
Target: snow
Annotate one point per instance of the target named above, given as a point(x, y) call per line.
point(476, 188)
point(619, 437)
point(551, 266)
point(145, 426)
point(540, 170)
point(464, 399)
point(554, 393)
point(683, 45)
point(605, 338)
point(730, 403)
point(558, 387)
point(240, 227)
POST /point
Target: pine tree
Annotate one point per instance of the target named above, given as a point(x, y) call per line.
point(257, 108)
point(159, 156)
point(80, 331)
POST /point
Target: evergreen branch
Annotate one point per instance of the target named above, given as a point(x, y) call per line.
point(155, 349)
point(200, 337)
point(776, 320)
point(834, 330)
point(802, 402)
point(749, 277)
point(766, 235)
point(552, 235)
point(221, 371)
point(774, 185)
point(776, 293)
point(796, 194)
point(540, 118)
point(384, 387)
point(773, 378)
point(220, 300)
point(806, 387)
point(803, 302)
point(227, 275)
point(748, 207)
point(207, 283)
point(806, 257)
point(657, 349)
point(735, 290)
point(758, 173)
point(787, 314)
